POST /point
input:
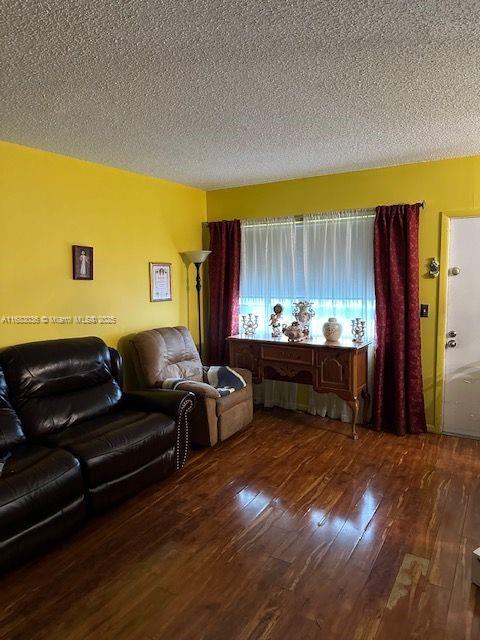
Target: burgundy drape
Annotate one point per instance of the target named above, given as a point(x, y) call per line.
point(398, 389)
point(224, 285)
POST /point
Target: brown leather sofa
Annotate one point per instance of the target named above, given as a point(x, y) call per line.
point(170, 352)
point(73, 439)
point(41, 490)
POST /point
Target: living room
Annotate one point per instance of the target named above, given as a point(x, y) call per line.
point(238, 381)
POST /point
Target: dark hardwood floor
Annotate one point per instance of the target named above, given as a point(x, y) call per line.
point(288, 531)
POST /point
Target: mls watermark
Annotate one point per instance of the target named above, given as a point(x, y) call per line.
point(88, 319)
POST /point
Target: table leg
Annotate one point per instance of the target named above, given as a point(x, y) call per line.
point(366, 404)
point(354, 405)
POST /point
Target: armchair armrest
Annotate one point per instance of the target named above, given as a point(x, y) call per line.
point(245, 373)
point(175, 404)
point(201, 389)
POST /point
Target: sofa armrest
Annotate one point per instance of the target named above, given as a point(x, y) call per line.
point(166, 401)
point(175, 404)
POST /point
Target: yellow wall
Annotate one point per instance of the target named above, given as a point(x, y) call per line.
point(48, 203)
point(445, 186)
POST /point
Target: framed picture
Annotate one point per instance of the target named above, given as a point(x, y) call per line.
point(82, 258)
point(160, 281)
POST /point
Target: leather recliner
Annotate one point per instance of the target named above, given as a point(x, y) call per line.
point(170, 352)
point(41, 490)
point(68, 396)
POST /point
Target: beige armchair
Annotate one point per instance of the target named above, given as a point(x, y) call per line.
point(171, 353)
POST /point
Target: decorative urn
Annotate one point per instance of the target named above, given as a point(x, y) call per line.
point(303, 312)
point(332, 330)
point(295, 332)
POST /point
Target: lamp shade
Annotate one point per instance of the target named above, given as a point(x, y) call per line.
point(197, 257)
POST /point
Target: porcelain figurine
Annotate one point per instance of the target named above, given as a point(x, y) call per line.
point(332, 330)
point(295, 332)
point(275, 319)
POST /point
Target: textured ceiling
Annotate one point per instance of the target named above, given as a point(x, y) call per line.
point(218, 93)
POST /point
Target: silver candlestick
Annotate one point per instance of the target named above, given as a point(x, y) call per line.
point(358, 329)
point(249, 324)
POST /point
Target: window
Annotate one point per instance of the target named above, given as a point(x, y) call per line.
point(324, 258)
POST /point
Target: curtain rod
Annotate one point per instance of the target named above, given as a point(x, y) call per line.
point(299, 218)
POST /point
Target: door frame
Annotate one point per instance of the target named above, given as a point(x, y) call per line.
point(445, 219)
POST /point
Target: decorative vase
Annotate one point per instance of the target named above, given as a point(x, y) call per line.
point(332, 330)
point(303, 313)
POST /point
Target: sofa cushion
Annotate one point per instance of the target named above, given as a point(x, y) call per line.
point(11, 432)
point(36, 483)
point(55, 384)
point(115, 444)
point(164, 353)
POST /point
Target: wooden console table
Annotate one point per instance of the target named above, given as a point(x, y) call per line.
point(339, 368)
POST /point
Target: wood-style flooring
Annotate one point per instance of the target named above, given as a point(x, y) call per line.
point(289, 530)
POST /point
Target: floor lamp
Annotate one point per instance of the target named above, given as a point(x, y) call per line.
point(197, 258)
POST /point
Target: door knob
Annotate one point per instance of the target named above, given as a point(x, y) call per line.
point(452, 334)
point(451, 343)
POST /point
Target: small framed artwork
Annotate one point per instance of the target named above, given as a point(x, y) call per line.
point(160, 281)
point(82, 258)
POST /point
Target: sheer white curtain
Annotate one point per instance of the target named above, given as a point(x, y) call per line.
point(339, 279)
point(269, 261)
point(327, 259)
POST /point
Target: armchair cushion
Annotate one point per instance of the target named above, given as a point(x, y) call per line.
point(169, 352)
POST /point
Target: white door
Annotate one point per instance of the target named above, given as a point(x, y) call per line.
point(461, 410)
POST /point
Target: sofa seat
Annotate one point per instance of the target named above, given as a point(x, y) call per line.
point(120, 452)
point(41, 500)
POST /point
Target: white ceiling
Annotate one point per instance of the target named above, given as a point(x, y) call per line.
point(219, 93)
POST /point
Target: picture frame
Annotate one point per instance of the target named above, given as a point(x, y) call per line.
point(82, 262)
point(160, 281)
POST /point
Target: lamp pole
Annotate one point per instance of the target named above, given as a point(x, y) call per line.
point(197, 258)
point(198, 287)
